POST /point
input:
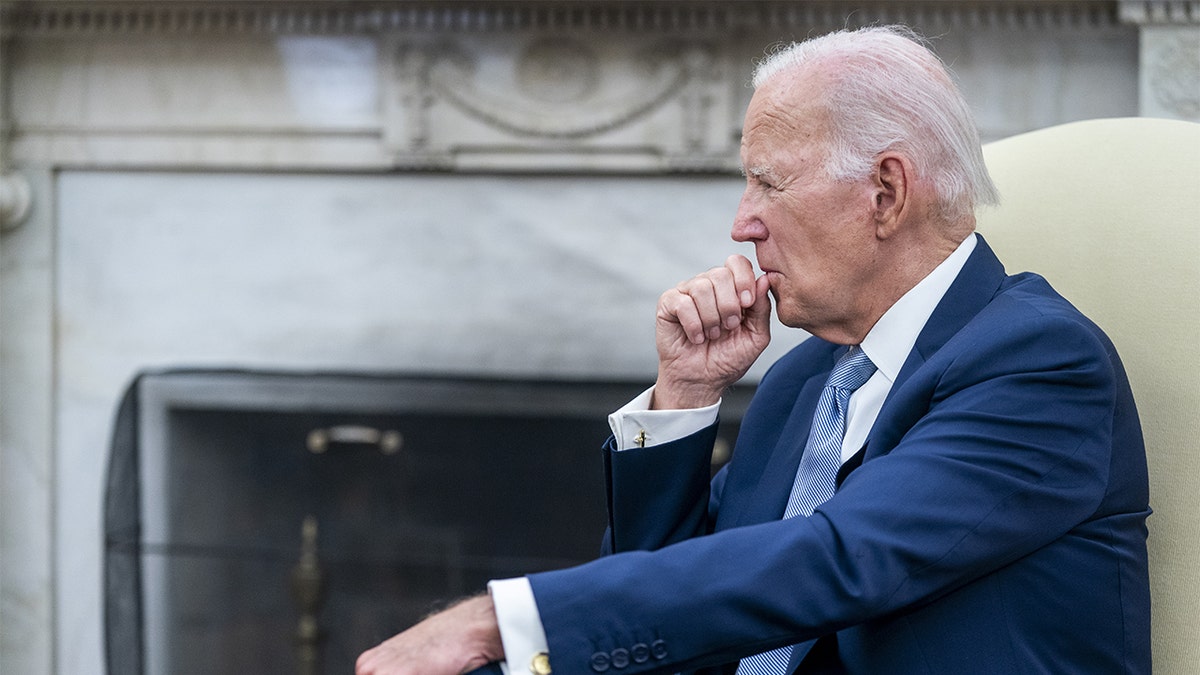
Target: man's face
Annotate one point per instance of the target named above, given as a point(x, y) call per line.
point(813, 237)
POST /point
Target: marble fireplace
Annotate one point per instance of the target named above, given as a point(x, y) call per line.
point(490, 192)
point(285, 521)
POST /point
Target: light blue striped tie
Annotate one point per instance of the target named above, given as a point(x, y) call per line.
point(817, 475)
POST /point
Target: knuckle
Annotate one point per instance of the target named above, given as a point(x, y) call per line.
point(674, 300)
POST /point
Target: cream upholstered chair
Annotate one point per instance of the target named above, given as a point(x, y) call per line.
point(1109, 212)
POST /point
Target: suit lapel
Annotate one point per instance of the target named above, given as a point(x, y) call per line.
point(971, 291)
point(775, 485)
point(975, 286)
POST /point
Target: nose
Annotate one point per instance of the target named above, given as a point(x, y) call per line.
point(747, 224)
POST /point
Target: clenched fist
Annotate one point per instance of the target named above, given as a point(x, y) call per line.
point(709, 331)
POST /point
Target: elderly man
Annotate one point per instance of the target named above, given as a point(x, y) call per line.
point(948, 477)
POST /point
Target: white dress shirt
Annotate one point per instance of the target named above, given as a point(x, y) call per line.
point(634, 425)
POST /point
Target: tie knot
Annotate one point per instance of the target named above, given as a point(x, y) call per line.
point(852, 370)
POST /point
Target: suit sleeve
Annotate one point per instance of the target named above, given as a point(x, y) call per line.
point(669, 482)
point(999, 445)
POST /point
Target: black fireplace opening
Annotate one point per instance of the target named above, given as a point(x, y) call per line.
point(284, 522)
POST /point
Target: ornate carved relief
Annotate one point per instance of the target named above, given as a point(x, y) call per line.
point(558, 70)
point(607, 85)
point(1174, 74)
point(1169, 83)
point(556, 93)
point(576, 96)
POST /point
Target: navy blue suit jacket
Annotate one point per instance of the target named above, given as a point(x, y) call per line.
point(994, 521)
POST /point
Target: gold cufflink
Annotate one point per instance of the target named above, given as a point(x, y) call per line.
point(640, 439)
point(540, 665)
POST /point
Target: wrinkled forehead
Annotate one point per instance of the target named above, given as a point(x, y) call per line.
point(786, 114)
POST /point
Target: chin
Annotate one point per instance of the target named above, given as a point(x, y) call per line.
point(789, 317)
point(783, 312)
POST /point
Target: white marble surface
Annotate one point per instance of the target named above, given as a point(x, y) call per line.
point(1170, 65)
point(540, 277)
point(26, 439)
point(1020, 80)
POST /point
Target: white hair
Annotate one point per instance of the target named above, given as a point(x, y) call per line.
point(888, 91)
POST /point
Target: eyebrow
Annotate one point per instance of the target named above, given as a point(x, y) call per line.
point(756, 171)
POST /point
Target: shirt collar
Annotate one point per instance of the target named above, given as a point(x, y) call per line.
point(893, 336)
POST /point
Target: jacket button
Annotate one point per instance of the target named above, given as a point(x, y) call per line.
point(640, 652)
point(658, 649)
point(600, 662)
point(620, 658)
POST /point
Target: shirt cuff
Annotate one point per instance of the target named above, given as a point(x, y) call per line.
point(521, 630)
point(635, 425)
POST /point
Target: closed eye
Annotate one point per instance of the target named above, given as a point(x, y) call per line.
point(761, 177)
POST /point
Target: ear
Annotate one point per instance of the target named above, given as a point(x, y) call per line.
point(891, 191)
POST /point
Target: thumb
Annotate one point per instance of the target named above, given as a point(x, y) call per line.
point(758, 315)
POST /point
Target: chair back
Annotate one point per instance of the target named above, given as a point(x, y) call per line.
point(1109, 212)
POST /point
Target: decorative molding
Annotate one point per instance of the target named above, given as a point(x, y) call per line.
point(1174, 75)
point(75, 17)
point(1169, 76)
point(518, 85)
point(642, 102)
point(16, 197)
point(557, 78)
point(1160, 12)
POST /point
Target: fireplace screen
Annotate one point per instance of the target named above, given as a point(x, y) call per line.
point(282, 523)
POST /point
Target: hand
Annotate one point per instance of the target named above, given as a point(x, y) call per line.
point(709, 331)
point(454, 641)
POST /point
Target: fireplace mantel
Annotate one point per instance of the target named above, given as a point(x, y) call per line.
point(487, 85)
